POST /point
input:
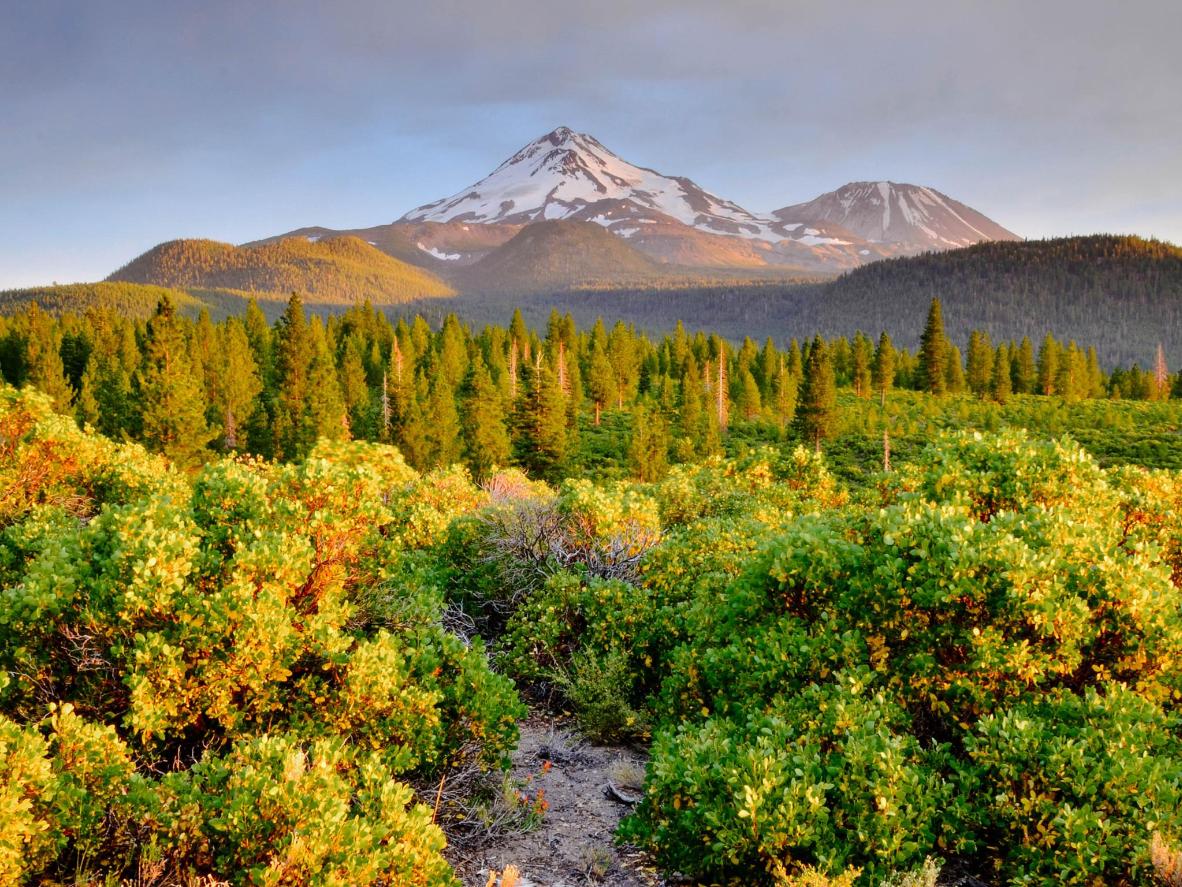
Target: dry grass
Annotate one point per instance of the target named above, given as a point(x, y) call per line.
point(627, 773)
point(1167, 861)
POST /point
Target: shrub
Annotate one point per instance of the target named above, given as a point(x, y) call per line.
point(1075, 786)
point(273, 811)
point(600, 687)
point(269, 638)
point(829, 778)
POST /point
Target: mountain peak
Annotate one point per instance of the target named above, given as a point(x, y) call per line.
point(914, 216)
point(571, 175)
point(558, 135)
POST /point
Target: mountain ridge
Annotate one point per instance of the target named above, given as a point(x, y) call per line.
point(570, 175)
point(332, 270)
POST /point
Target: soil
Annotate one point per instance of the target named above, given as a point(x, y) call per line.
point(573, 845)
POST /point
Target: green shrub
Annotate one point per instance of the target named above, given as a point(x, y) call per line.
point(279, 625)
point(830, 777)
point(600, 687)
point(1075, 786)
point(273, 811)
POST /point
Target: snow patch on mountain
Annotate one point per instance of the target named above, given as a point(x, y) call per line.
point(564, 173)
point(439, 254)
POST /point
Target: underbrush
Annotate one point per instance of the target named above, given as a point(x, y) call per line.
point(975, 659)
point(278, 674)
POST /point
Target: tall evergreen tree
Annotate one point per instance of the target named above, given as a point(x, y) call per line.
point(749, 401)
point(1048, 366)
point(326, 415)
point(355, 388)
point(817, 407)
point(862, 358)
point(237, 383)
point(294, 436)
point(955, 381)
point(169, 392)
point(979, 364)
point(601, 380)
point(540, 422)
point(43, 366)
point(933, 352)
point(1001, 385)
point(1025, 372)
point(784, 395)
point(482, 419)
point(884, 366)
point(648, 450)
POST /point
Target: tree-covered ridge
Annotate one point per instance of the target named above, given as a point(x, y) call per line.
point(121, 297)
point(1121, 294)
point(599, 401)
point(553, 256)
point(342, 270)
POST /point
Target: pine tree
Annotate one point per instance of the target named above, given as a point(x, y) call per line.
point(1048, 365)
point(355, 389)
point(169, 394)
point(1001, 385)
point(482, 419)
point(770, 362)
point(1025, 374)
point(293, 434)
point(1095, 375)
point(862, 358)
point(326, 415)
point(816, 411)
point(694, 416)
point(648, 450)
point(44, 368)
point(955, 381)
point(540, 422)
point(749, 401)
point(237, 383)
point(884, 366)
point(445, 444)
point(933, 352)
point(784, 394)
point(412, 428)
point(621, 353)
point(1072, 381)
point(979, 367)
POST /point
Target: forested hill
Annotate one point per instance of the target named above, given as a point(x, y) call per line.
point(552, 256)
point(126, 299)
point(1124, 293)
point(340, 271)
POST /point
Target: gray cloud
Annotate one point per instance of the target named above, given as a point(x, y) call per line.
point(239, 119)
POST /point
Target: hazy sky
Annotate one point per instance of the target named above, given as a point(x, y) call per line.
point(125, 123)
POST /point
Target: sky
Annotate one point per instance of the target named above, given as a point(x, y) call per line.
point(127, 123)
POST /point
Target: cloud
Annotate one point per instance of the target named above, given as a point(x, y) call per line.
point(1046, 113)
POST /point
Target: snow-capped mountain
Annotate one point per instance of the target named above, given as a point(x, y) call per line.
point(570, 175)
point(912, 216)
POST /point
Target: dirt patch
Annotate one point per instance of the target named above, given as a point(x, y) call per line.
point(586, 788)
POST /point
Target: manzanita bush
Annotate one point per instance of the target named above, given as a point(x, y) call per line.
point(239, 673)
point(222, 675)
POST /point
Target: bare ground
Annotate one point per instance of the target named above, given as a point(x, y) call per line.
point(573, 845)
